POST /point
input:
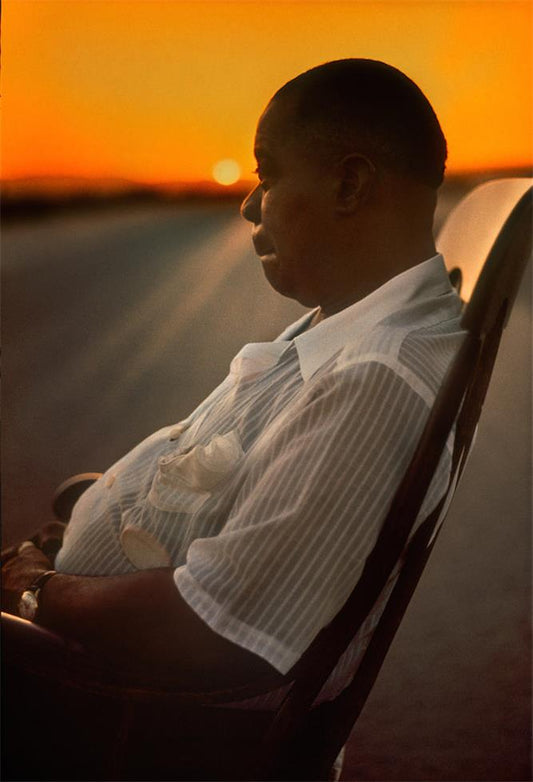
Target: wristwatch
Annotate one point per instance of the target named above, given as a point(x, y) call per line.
point(29, 600)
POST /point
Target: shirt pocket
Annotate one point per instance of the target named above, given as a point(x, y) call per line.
point(186, 478)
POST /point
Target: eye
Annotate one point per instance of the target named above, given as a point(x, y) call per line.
point(262, 179)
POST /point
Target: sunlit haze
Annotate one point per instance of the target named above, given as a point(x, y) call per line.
point(163, 91)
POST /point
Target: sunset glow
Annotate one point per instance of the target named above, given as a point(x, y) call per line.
point(157, 91)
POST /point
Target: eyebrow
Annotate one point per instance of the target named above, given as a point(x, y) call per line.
point(262, 154)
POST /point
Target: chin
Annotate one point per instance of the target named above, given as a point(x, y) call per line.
point(285, 286)
point(275, 275)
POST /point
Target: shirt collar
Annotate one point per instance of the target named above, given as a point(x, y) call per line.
point(318, 344)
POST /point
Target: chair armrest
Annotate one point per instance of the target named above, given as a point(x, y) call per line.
point(28, 645)
point(69, 492)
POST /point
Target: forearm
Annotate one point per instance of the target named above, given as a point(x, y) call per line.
point(140, 623)
point(119, 617)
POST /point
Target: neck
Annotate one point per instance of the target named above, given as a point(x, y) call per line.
point(383, 239)
point(371, 269)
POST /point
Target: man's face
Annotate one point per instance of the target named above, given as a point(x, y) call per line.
point(290, 209)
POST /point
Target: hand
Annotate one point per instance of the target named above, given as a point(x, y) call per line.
point(9, 553)
point(48, 539)
point(18, 572)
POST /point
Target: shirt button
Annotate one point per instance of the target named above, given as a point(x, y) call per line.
point(110, 480)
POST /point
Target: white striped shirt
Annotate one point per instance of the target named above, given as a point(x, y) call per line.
point(268, 499)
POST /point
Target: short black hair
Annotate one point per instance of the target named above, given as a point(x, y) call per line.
point(376, 106)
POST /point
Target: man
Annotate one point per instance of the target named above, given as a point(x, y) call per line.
point(216, 550)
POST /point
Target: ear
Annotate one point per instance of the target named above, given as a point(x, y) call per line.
point(356, 177)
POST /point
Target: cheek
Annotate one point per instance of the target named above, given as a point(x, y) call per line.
point(290, 218)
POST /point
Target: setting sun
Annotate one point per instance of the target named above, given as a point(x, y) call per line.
point(226, 172)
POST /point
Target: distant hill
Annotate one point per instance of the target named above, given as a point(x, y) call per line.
point(61, 187)
point(38, 196)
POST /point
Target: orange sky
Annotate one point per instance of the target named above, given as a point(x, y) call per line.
point(158, 91)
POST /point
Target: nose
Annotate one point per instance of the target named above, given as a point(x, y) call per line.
point(251, 206)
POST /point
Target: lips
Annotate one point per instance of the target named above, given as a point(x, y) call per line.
point(262, 246)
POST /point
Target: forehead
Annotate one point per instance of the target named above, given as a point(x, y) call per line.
point(276, 128)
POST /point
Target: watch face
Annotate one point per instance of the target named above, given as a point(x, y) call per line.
point(28, 605)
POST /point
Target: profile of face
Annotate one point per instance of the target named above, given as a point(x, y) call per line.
point(290, 208)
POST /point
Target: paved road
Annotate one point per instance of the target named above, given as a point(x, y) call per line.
point(116, 324)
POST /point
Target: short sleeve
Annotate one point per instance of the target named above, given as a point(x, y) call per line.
point(318, 484)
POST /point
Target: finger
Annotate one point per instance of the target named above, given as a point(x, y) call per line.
point(52, 538)
point(25, 545)
point(8, 553)
point(52, 531)
point(51, 548)
point(28, 555)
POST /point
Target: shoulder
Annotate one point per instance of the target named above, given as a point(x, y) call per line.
point(417, 353)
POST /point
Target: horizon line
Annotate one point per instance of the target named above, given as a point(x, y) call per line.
point(70, 184)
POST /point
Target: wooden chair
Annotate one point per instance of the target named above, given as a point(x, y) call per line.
point(105, 728)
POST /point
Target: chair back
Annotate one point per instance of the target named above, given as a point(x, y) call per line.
point(508, 222)
point(472, 227)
